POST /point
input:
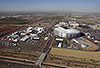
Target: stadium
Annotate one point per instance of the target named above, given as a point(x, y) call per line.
point(67, 32)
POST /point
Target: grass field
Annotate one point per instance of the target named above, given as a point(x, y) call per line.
point(14, 21)
point(11, 19)
point(21, 23)
point(54, 18)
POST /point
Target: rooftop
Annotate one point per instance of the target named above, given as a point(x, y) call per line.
point(65, 30)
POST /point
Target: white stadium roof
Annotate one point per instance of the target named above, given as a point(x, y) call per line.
point(69, 30)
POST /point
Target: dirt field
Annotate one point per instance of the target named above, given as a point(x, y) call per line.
point(85, 20)
point(73, 58)
point(3, 67)
point(76, 53)
point(19, 54)
point(45, 66)
point(7, 28)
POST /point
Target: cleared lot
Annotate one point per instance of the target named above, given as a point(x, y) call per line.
point(29, 55)
point(75, 53)
point(73, 58)
point(7, 28)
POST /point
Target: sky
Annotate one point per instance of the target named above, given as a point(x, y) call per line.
point(50, 5)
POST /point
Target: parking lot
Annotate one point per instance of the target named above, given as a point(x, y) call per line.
point(29, 44)
point(92, 34)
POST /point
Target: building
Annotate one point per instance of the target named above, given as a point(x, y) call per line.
point(73, 24)
point(62, 23)
point(67, 32)
point(39, 29)
point(24, 38)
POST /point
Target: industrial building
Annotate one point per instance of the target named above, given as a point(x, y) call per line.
point(67, 32)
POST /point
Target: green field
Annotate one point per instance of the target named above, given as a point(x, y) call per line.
point(15, 21)
point(11, 19)
point(55, 18)
point(21, 23)
point(79, 17)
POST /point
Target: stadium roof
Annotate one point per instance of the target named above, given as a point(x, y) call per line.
point(68, 30)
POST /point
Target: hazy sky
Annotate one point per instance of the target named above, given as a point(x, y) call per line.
point(50, 5)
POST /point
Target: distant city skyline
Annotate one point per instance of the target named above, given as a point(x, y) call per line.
point(50, 5)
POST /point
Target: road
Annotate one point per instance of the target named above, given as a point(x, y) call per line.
point(40, 59)
point(45, 50)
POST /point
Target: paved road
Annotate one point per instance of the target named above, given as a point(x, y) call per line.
point(40, 59)
point(45, 49)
